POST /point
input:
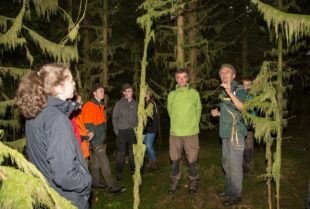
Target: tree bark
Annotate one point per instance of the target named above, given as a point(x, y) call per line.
point(245, 72)
point(105, 32)
point(192, 40)
point(180, 38)
point(280, 102)
point(85, 52)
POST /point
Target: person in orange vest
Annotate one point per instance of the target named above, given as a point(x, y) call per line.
point(94, 119)
point(82, 134)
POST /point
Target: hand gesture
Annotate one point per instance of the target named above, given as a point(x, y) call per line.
point(226, 86)
point(90, 135)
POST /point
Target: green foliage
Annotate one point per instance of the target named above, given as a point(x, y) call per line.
point(46, 8)
point(15, 36)
point(268, 121)
point(294, 26)
point(59, 52)
point(18, 145)
point(23, 186)
point(265, 103)
point(19, 34)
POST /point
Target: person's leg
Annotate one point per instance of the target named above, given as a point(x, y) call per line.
point(175, 152)
point(248, 151)
point(225, 165)
point(95, 170)
point(121, 151)
point(149, 140)
point(236, 172)
point(131, 141)
point(100, 152)
point(191, 147)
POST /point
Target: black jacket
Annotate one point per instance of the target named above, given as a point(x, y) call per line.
point(53, 148)
point(152, 122)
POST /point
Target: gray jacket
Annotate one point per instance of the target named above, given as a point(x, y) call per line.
point(53, 148)
point(125, 115)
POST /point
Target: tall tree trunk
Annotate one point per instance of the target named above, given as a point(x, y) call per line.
point(180, 37)
point(192, 40)
point(280, 102)
point(85, 51)
point(105, 42)
point(245, 42)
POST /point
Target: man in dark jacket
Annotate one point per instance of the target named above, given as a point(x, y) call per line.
point(93, 116)
point(124, 121)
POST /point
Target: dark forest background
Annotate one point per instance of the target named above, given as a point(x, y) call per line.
point(102, 42)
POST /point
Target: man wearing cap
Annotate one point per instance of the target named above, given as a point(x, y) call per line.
point(232, 132)
point(125, 119)
point(94, 117)
point(184, 108)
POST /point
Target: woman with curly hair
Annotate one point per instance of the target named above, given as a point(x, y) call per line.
point(51, 143)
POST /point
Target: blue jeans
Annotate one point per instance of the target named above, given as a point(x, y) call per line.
point(149, 140)
point(232, 159)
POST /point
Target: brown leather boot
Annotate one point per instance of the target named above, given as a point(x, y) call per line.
point(153, 166)
point(150, 164)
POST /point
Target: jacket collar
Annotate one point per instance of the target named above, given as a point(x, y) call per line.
point(182, 89)
point(64, 106)
point(96, 101)
point(124, 99)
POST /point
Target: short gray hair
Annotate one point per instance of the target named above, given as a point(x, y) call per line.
point(230, 66)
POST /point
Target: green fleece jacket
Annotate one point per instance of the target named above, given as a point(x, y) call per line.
point(184, 108)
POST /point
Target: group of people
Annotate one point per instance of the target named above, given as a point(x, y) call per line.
point(62, 133)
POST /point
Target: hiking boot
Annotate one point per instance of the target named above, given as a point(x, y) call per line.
point(119, 177)
point(174, 187)
point(222, 194)
point(232, 201)
point(153, 166)
point(192, 187)
point(117, 190)
point(149, 164)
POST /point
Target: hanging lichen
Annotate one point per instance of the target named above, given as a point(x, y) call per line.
point(17, 34)
point(23, 186)
point(154, 10)
point(46, 8)
point(294, 26)
point(266, 121)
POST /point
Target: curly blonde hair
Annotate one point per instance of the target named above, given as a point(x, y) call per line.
point(34, 88)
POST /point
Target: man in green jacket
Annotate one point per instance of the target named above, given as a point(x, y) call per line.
point(184, 108)
point(232, 132)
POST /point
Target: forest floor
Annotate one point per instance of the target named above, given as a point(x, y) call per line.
point(295, 173)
